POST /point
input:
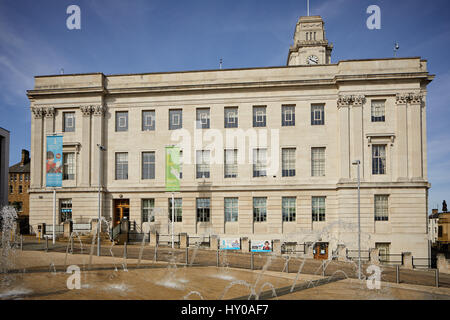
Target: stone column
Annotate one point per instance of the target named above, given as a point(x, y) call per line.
point(154, 238)
point(67, 229)
point(341, 252)
point(415, 136)
point(407, 260)
point(98, 139)
point(184, 240)
point(344, 136)
point(245, 245)
point(49, 125)
point(276, 247)
point(402, 137)
point(85, 146)
point(374, 256)
point(214, 245)
point(94, 223)
point(37, 144)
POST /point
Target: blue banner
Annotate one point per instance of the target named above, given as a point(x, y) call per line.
point(230, 244)
point(54, 161)
point(261, 245)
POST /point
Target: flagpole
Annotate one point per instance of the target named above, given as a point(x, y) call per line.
point(307, 4)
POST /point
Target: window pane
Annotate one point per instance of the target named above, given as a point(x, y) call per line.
point(288, 162)
point(317, 114)
point(231, 117)
point(121, 166)
point(231, 209)
point(259, 116)
point(231, 166)
point(148, 120)
point(69, 121)
point(378, 111)
point(381, 208)
point(203, 209)
point(288, 115)
point(202, 118)
point(202, 163)
point(177, 210)
point(148, 207)
point(260, 209)
point(288, 208)
point(317, 162)
point(69, 166)
point(378, 159)
point(148, 165)
point(259, 162)
point(318, 208)
point(175, 119)
point(122, 121)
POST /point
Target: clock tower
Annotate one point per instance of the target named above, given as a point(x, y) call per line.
point(310, 45)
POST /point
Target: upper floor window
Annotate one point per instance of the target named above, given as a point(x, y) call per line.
point(317, 162)
point(148, 120)
point(202, 163)
point(203, 121)
point(20, 189)
point(231, 165)
point(259, 209)
point(20, 177)
point(288, 208)
point(288, 116)
point(69, 166)
point(231, 117)
point(378, 159)
point(203, 209)
point(69, 121)
point(121, 120)
point(121, 166)
point(378, 110)
point(317, 114)
point(288, 162)
point(175, 119)
point(148, 165)
point(259, 116)
point(148, 210)
point(259, 163)
point(178, 210)
point(318, 208)
point(11, 189)
point(381, 208)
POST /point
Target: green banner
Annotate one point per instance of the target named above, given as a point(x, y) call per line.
point(172, 168)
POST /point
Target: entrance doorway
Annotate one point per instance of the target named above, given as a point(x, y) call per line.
point(121, 210)
point(320, 251)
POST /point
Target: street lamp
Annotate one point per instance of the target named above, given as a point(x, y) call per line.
point(357, 163)
point(99, 223)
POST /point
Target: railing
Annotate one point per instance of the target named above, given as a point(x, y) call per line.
point(353, 255)
point(59, 229)
point(391, 259)
point(167, 238)
point(199, 240)
point(293, 248)
point(81, 227)
point(115, 231)
point(425, 263)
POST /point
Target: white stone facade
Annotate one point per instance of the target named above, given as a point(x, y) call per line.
point(346, 89)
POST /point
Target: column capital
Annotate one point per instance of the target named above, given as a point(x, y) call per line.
point(38, 112)
point(359, 100)
point(349, 99)
point(49, 112)
point(99, 110)
point(86, 110)
point(416, 98)
point(411, 97)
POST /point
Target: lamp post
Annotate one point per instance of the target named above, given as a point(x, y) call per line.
point(357, 162)
point(99, 225)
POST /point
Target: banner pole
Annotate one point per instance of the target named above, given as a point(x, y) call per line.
point(54, 214)
point(173, 217)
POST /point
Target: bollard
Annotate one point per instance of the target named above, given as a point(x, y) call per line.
point(323, 268)
point(125, 250)
point(156, 252)
point(71, 245)
point(46, 244)
point(187, 256)
point(437, 277)
point(21, 242)
point(217, 258)
point(251, 260)
point(398, 273)
point(287, 265)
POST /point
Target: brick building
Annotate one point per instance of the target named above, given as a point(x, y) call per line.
point(19, 183)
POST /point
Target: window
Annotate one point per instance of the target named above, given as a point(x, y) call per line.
point(231, 117)
point(65, 209)
point(11, 189)
point(317, 114)
point(18, 205)
point(440, 231)
point(381, 208)
point(203, 118)
point(148, 165)
point(317, 162)
point(20, 177)
point(11, 178)
point(259, 163)
point(69, 121)
point(259, 209)
point(231, 166)
point(318, 208)
point(288, 208)
point(148, 210)
point(288, 116)
point(259, 116)
point(20, 189)
point(288, 162)
point(203, 208)
point(378, 159)
point(202, 164)
point(231, 209)
point(69, 166)
point(122, 121)
point(27, 177)
point(177, 210)
point(378, 114)
point(175, 119)
point(148, 120)
point(122, 166)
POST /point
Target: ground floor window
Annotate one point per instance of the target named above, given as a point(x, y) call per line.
point(260, 209)
point(288, 208)
point(65, 209)
point(148, 206)
point(231, 209)
point(177, 209)
point(203, 209)
point(318, 208)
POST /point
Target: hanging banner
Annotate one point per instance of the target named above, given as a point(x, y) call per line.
point(54, 161)
point(261, 245)
point(172, 169)
point(230, 244)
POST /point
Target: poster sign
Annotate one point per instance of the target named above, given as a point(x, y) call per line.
point(172, 169)
point(261, 245)
point(54, 161)
point(230, 244)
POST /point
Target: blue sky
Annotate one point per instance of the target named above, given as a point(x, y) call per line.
point(137, 36)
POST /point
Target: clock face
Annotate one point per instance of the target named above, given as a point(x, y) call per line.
point(312, 60)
